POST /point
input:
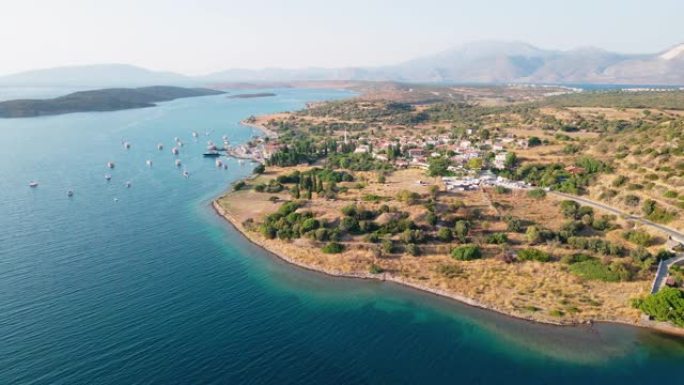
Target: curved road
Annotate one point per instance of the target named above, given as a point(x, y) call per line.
point(674, 233)
point(678, 236)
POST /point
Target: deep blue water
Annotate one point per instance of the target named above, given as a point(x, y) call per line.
point(156, 289)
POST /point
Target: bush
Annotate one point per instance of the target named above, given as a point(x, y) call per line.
point(333, 248)
point(412, 249)
point(576, 258)
point(450, 271)
point(408, 197)
point(466, 253)
point(497, 238)
point(375, 269)
point(239, 185)
point(640, 238)
point(664, 255)
point(533, 255)
point(666, 305)
point(533, 141)
point(501, 190)
point(537, 193)
point(444, 234)
point(513, 224)
point(259, 169)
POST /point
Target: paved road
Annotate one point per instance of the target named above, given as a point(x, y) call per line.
point(674, 233)
point(661, 274)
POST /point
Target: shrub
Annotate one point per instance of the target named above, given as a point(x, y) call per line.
point(502, 190)
point(537, 193)
point(513, 224)
point(408, 197)
point(412, 249)
point(497, 238)
point(533, 255)
point(444, 234)
point(466, 253)
point(640, 254)
point(664, 255)
point(632, 200)
point(570, 208)
point(450, 271)
point(387, 246)
point(461, 229)
point(375, 269)
point(576, 258)
point(619, 180)
point(333, 248)
point(533, 141)
point(259, 169)
point(666, 305)
point(239, 185)
point(640, 238)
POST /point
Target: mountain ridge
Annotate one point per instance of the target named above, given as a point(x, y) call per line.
point(492, 61)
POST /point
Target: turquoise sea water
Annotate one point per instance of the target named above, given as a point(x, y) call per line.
point(156, 289)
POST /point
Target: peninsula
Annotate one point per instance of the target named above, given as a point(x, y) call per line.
point(109, 99)
point(254, 95)
point(539, 204)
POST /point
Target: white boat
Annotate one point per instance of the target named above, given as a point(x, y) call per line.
point(219, 164)
point(128, 184)
point(174, 151)
point(194, 134)
point(108, 177)
point(179, 143)
point(33, 184)
point(242, 162)
point(175, 139)
point(178, 163)
point(116, 199)
point(110, 164)
point(149, 163)
point(160, 147)
point(127, 145)
point(186, 174)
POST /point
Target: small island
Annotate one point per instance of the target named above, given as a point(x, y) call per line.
point(110, 99)
point(535, 208)
point(253, 95)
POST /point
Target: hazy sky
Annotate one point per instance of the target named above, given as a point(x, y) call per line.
point(200, 36)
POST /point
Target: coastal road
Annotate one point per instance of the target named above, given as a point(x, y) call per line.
point(674, 233)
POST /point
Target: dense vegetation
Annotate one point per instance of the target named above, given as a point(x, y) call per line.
point(665, 305)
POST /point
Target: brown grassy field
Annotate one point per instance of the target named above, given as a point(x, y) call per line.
point(545, 292)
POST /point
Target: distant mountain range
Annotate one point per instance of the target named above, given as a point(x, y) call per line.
point(479, 62)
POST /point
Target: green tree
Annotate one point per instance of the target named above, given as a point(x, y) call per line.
point(259, 169)
point(461, 229)
point(466, 253)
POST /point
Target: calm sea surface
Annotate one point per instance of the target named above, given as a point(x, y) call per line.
point(146, 285)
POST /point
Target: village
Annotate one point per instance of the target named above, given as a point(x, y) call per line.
point(471, 161)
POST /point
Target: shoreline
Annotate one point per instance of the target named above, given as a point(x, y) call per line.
point(650, 325)
point(269, 134)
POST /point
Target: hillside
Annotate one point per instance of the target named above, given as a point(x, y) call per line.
point(98, 75)
point(111, 99)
